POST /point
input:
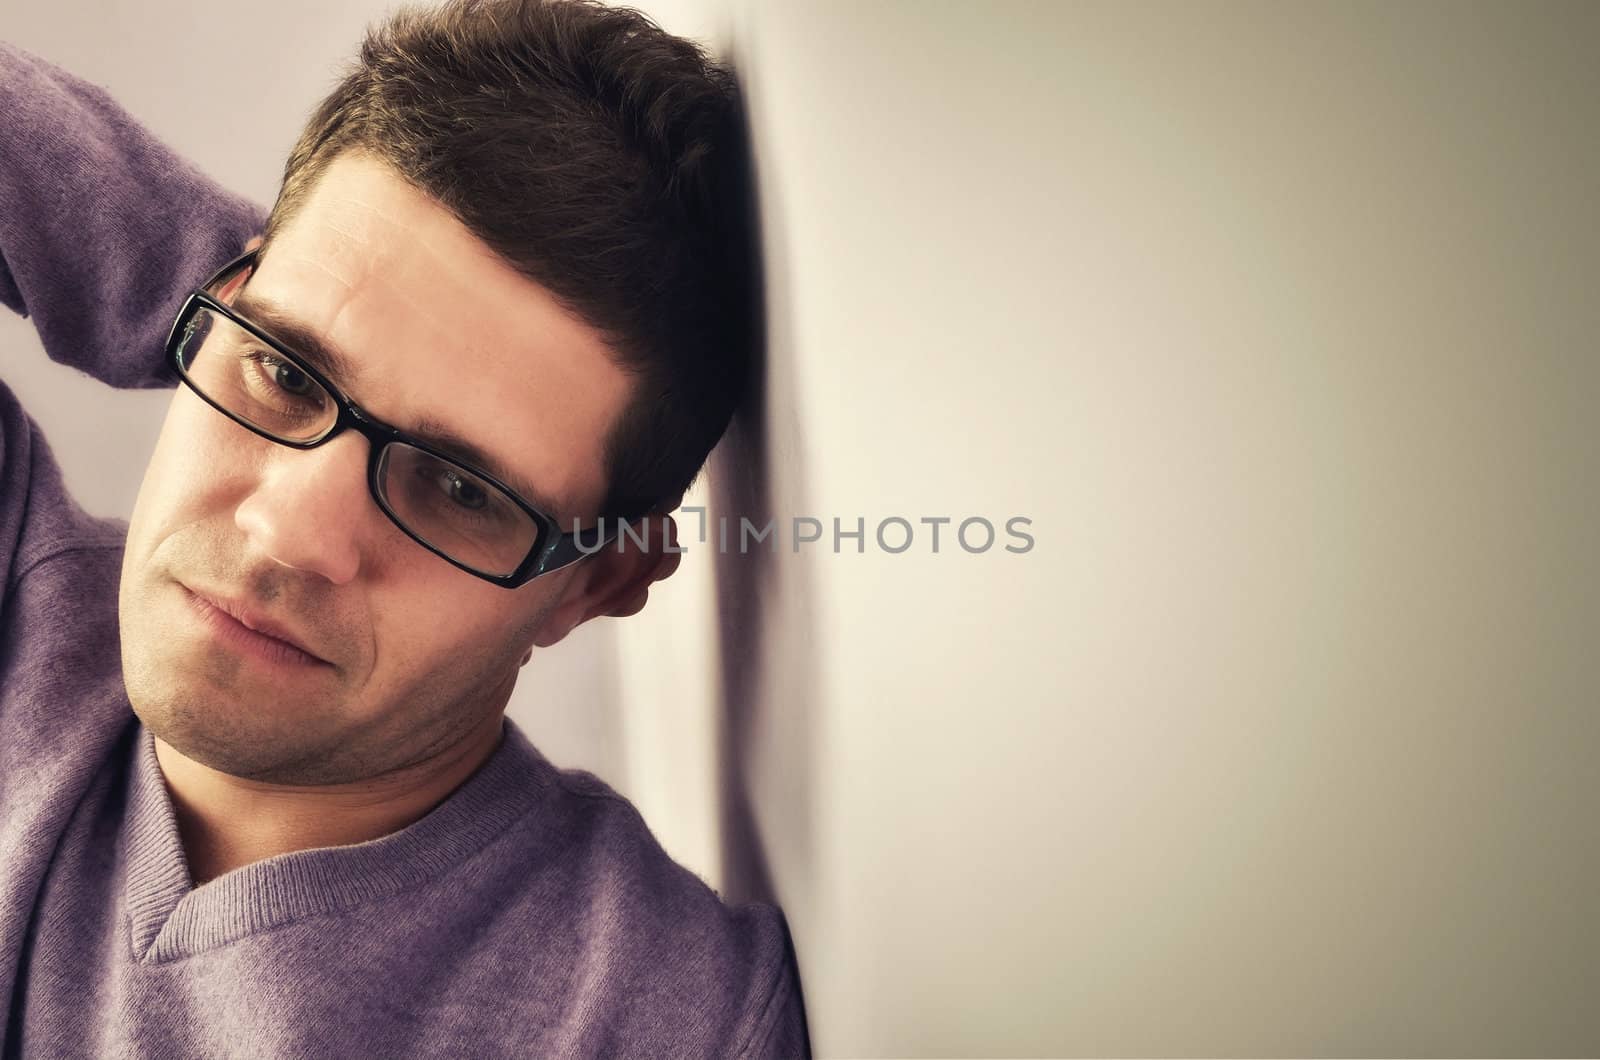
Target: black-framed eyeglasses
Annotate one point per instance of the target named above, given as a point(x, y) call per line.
point(457, 511)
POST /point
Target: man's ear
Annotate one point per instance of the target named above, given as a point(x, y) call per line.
point(603, 583)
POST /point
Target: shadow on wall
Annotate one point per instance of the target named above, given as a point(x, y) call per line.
point(765, 616)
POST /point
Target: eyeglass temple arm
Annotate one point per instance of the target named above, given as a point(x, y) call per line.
point(247, 258)
point(569, 548)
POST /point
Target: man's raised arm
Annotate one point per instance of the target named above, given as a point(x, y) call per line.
point(103, 229)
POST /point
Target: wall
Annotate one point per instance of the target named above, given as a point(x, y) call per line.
point(1278, 322)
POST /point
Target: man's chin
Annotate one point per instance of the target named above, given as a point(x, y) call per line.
point(217, 709)
point(243, 733)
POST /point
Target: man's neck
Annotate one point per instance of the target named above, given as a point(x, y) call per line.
point(226, 822)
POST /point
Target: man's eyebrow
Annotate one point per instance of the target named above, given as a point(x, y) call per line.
point(299, 338)
point(334, 364)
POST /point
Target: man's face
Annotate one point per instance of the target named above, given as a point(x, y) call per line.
point(414, 653)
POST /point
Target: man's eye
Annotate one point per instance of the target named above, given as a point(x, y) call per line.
point(273, 376)
point(287, 377)
point(464, 493)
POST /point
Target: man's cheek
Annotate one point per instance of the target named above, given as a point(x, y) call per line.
point(152, 502)
point(180, 494)
point(199, 462)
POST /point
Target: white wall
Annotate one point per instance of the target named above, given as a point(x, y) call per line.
point(1276, 321)
point(1279, 322)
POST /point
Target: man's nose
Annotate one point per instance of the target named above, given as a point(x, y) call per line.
point(311, 507)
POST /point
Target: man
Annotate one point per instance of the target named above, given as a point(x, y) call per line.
point(503, 295)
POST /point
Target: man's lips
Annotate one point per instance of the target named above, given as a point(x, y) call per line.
point(260, 626)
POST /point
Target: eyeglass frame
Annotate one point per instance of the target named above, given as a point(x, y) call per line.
point(551, 549)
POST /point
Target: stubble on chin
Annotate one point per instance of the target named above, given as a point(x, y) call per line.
point(218, 711)
point(212, 710)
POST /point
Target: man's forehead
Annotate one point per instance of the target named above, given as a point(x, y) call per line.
point(360, 221)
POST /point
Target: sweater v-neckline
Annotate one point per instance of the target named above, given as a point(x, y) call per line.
point(171, 918)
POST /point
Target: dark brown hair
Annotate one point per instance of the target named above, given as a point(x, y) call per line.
point(602, 158)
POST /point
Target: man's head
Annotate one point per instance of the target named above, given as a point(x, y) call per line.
point(522, 226)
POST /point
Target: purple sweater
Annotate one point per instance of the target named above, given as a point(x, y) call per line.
point(530, 914)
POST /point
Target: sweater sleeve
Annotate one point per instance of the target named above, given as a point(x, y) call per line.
point(778, 1022)
point(103, 229)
